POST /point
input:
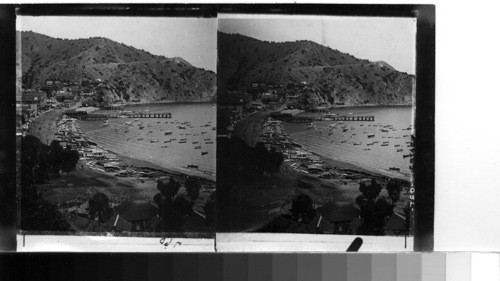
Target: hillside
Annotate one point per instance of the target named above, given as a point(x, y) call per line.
point(128, 73)
point(331, 76)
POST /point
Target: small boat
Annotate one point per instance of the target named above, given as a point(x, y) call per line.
point(141, 127)
point(168, 133)
point(385, 144)
point(204, 152)
point(371, 136)
point(153, 141)
point(345, 130)
point(367, 149)
point(105, 122)
point(397, 145)
point(357, 143)
point(342, 141)
point(192, 166)
point(166, 141)
point(369, 143)
point(197, 147)
point(182, 141)
point(195, 142)
point(384, 130)
point(394, 169)
point(181, 127)
point(407, 155)
point(140, 138)
point(209, 142)
point(399, 150)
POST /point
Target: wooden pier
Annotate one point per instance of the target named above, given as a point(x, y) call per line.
point(135, 115)
point(304, 119)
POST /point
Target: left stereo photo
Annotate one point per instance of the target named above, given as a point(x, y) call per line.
point(116, 118)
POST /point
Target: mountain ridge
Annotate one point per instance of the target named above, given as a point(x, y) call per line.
point(129, 73)
point(332, 76)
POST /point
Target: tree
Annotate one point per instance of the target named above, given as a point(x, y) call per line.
point(370, 191)
point(99, 207)
point(183, 206)
point(69, 160)
point(55, 157)
point(37, 214)
point(302, 208)
point(173, 213)
point(394, 191)
point(210, 213)
point(169, 189)
point(374, 210)
point(193, 189)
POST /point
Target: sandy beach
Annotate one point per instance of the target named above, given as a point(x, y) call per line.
point(277, 191)
point(85, 181)
point(45, 126)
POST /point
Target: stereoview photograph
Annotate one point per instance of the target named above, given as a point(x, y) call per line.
point(117, 117)
point(315, 125)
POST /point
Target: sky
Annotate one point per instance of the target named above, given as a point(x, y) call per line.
point(193, 39)
point(374, 38)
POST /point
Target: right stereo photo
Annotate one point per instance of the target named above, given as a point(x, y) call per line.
point(315, 125)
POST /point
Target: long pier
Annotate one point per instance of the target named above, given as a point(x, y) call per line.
point(304, 119)
point(135, 115)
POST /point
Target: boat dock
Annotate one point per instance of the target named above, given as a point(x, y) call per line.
point(305, 119)
point(85, 116)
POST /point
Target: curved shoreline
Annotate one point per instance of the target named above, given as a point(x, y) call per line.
point(48, 121)
point(258, 118)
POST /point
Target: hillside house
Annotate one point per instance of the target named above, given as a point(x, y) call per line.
point(394, 226)
point(269, 97)
point(338, 215)
point(143, 215)
point(235, 101)
point(64, 96)
point(33, 101)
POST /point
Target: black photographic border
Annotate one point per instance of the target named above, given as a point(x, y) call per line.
point(424, 166)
